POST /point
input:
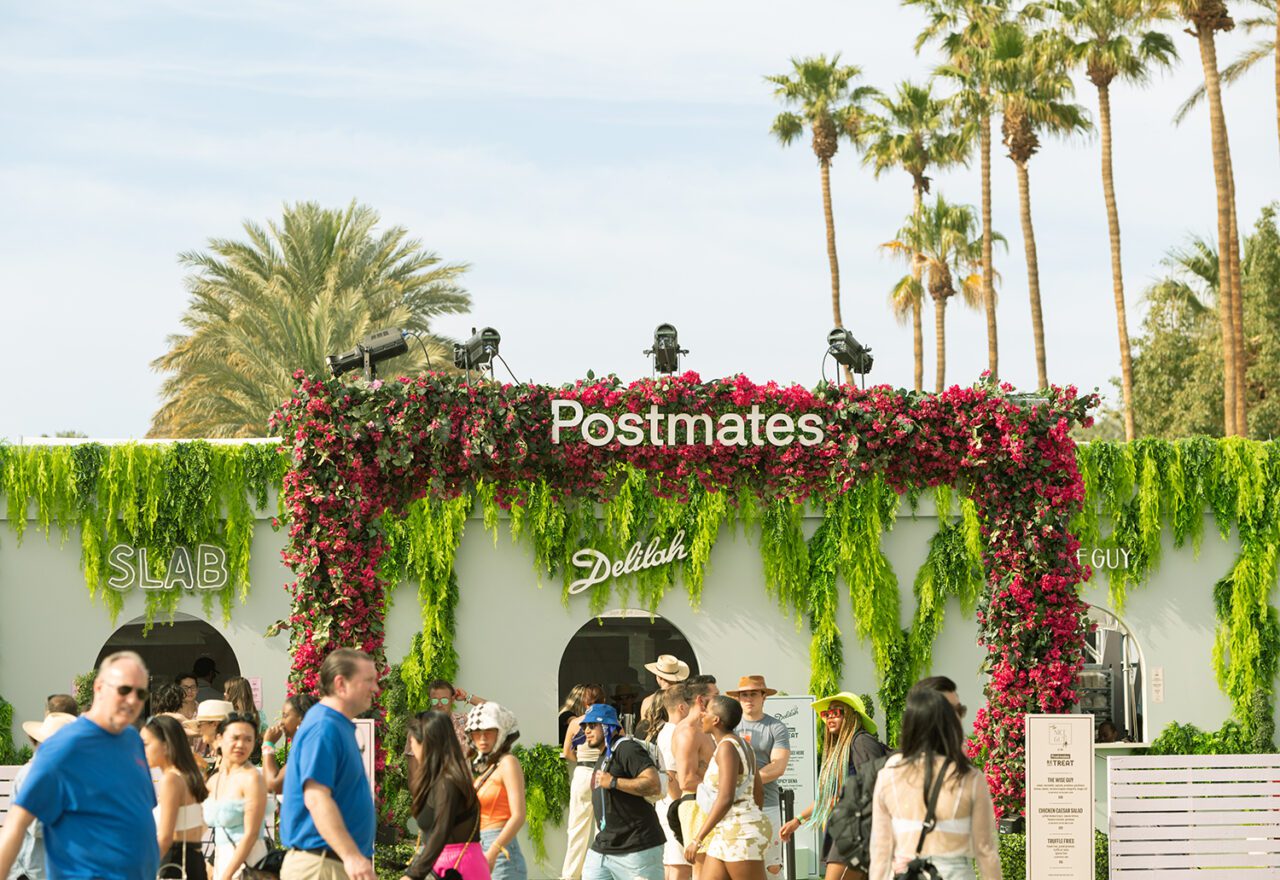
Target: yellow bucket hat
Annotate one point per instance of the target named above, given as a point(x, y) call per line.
point(854, 702)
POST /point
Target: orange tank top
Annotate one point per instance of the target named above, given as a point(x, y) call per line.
point(495, 809)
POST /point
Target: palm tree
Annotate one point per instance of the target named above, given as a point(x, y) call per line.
point(964, 29)
point(1031, 87)
point(947, 240)
point(915, 132)
point(310, 285)
point(1265, 48)
point(827, 103)
point(1108, 38)
point(1205, 18)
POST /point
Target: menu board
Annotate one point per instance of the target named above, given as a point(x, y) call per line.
point(1059, 796)
point(801, 775)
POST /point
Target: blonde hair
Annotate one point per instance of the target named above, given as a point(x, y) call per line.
point(835, 766)
point(573, 703)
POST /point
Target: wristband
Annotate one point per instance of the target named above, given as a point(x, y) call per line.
point(269, 745)
point(613, 783)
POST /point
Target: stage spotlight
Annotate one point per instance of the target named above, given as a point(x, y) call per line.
point(374, 348)
point(478, 351)
point(666, 349)
point(848, 352)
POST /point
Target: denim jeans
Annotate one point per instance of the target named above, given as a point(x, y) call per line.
point(508, 866)
point(643, 865)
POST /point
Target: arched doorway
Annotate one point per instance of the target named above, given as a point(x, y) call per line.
point(172, 649)
point(612, 649)
point(1112, 681)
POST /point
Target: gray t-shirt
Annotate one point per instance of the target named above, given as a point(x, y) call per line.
point(764, 736)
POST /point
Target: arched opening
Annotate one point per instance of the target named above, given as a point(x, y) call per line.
point(172, 649)
point(1111, 682)
point(611, 650)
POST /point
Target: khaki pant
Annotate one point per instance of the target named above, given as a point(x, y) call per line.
point(579, 823)
point(300, 865)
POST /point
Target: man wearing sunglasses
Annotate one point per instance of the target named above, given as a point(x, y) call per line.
point(90, 787)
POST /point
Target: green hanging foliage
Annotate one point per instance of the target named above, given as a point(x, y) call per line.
point(156, 497)
point(826, 653)
point(785, 555)
point(422, 545)
point(546, 787)
point(1148, 485)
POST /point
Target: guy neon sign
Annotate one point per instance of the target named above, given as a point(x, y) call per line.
point(203, 569)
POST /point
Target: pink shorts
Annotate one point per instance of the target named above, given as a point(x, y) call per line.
point(472, 864)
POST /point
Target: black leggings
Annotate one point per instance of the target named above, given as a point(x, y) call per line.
point(195, 861)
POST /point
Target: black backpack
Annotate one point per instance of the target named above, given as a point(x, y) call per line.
point(850, 821)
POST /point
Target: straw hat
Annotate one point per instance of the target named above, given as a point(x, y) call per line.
point(854, 702)
point(52, 723)
point(751, 683)
point(213, 710)
point(669, 667)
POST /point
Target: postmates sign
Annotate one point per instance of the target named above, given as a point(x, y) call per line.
point(202, 567)
point(656, 428)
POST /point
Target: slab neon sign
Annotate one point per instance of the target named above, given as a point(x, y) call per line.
point(203, 569)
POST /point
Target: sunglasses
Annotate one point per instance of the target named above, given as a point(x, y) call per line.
point(440, 701)
point(833, 712)
point(125, 689)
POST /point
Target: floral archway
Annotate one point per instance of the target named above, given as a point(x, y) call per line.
point(364, 454)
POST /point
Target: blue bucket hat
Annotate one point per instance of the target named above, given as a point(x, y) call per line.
point(601, 713)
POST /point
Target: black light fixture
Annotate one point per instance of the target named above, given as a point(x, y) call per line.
point(374, 348)
point(666, 349)
point(478, 351)
point(849, 352)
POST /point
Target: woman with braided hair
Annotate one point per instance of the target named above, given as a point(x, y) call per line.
point(848, 742)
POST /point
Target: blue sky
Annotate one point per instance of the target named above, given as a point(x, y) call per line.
point(603, 167)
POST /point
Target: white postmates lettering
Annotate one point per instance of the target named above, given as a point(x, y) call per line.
point(754, 428)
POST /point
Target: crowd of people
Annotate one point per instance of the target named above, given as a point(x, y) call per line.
point(690, 793)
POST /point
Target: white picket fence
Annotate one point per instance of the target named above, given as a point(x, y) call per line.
point(1175, 816)
point(7, 772)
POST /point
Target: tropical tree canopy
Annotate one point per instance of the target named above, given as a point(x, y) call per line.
point(1177, 364)
point(310, 285)
point(823, 99)
point(948, 238)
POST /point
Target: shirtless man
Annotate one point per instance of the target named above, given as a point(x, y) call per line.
point(693, 751)
point(676, 700)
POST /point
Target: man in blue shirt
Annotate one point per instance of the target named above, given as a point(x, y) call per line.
point(327, 818)
point(91, 789)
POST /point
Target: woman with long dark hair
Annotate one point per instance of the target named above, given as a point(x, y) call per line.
point(444, 802)
point(278, 734)
point(500, 786)
point(180, 791)
point(848, 742)
point(237, 801)
point(933, 757)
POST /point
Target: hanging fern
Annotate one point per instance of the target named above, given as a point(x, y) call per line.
point(156, 497)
